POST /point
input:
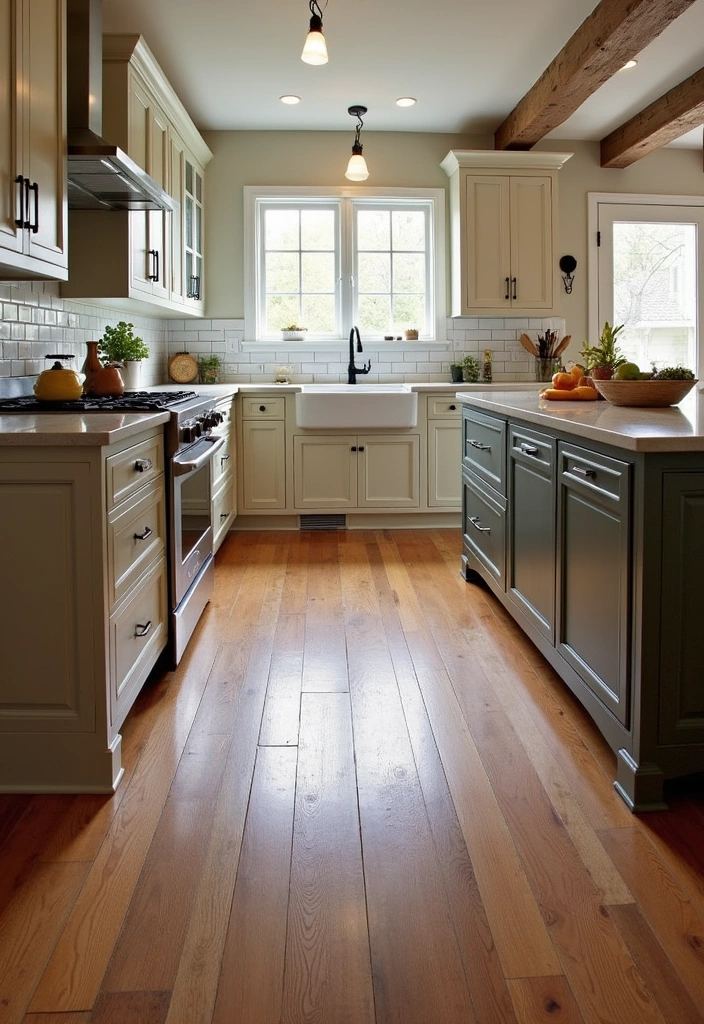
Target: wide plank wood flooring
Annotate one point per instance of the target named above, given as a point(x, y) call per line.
point(362, 798)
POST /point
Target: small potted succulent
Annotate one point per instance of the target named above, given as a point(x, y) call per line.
point(293, 332)
point(119, 344)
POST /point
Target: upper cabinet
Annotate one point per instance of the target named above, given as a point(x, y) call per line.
point(33, 190)
point(503, 210)
point(150, 261)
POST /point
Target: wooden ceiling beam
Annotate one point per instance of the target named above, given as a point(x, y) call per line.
point(677, 112)
point(613, 33)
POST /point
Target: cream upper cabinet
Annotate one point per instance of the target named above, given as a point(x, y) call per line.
point(154, 256)
point(503, 209)
point(33, 188)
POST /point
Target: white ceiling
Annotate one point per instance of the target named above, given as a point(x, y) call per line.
point(467, 62)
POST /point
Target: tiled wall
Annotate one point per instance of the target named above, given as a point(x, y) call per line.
point(35, 321)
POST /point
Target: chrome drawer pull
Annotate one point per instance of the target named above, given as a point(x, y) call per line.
point(224, 458)
point(580, 471)
point(142, 630)
point(474, 520)
point(528, 449)
point(143, 465)
point(480, 446)
point(143, 536)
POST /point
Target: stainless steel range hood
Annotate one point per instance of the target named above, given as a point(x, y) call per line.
point(101, 176)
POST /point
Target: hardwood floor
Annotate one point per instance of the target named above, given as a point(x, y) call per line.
point(362, 798)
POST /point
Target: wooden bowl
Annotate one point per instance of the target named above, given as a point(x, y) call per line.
point(652, 393)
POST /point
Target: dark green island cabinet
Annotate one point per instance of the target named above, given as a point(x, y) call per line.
point(587, 522)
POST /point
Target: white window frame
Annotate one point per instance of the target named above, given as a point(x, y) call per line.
point(597, 199)
point(436, 298)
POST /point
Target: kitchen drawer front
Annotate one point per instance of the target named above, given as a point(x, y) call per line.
point(138, 634)
point(484, 448)
point(132, 468)
point(223, 511)
point(484, 526)
point(531, 448)
point(597, 475)
point(136, 536)
point(222, 461)
point(443, 407)
point(263, 408)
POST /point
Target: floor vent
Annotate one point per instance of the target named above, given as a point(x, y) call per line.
point(331, 522)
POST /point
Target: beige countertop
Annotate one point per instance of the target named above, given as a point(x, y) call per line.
point(679, 428)
point(75, 429)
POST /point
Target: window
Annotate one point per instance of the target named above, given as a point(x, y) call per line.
point(328, 261)
point(649, 273)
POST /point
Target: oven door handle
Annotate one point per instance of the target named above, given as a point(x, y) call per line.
point(184, 468)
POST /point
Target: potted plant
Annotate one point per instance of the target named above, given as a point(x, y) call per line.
point(456, 374)
point(120, 345)
point(411, 334)
point(208, 369)
point(470, 369)
point(601, 360)
point(293, 332)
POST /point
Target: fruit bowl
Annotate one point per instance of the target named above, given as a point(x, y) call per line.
point(652, 393)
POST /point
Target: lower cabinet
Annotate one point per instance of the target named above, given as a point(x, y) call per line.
point(347, 471)
point(223, 501)
point(262, 444)
point(444, 449)
point(598, 554)
point(83, 607)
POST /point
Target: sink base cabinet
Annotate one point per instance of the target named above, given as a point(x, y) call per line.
point(598, 554)
point(83, 614)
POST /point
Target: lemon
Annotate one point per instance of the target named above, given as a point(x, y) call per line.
point(627, 371)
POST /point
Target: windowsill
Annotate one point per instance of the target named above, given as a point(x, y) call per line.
point(333, 345)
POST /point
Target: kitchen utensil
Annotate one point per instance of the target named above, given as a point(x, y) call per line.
point(58, 384)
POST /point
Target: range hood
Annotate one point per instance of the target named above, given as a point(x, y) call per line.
point(101, 176)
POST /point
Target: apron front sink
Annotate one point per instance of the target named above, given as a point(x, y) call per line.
point(356, 406)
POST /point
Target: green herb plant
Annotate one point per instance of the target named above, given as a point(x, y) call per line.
point(208, 369)
point(470, 369)
point(119, 345)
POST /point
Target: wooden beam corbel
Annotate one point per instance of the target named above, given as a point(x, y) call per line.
point(614, 32)
point(677, 112)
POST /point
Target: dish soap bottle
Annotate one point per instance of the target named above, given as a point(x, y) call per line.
point(486, 367)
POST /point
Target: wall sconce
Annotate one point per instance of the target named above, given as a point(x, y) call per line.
point(315, 50)
point(568, 265)
point(357, 167)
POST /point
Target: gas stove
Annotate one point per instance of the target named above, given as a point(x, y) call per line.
point(130, 401)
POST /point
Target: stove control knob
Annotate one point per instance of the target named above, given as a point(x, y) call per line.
point(197, 426)
point(187, 434)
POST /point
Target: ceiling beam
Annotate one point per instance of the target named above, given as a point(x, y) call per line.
point(613, 33)
point(678, 111)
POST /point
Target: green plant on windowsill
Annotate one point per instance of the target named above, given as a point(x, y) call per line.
point(119, 344)
point(208, 369)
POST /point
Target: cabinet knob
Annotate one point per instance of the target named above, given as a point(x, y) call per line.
point(262, 408)
point(361, 448)
point(353, 448)
point(452, 408)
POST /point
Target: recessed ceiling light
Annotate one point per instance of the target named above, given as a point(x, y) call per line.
point(290, 99)
point(405, 101)
point(629, 64)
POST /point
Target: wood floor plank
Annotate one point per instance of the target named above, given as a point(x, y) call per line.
point(282, 708)
point(252, 971)
point(56, 1018)
point(30, 925)
point(327, 976)
point(521, 937)
point(324, 658)
point(662, 979)
point(131, 1008)
point(664, 904)
point(418, 969)
point(543, 1000)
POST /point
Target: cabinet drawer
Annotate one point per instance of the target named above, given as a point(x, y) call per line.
point(222, 463)
point(223, 512)
point(136, 536)
point(531, 448)
point(598, 475)
point(138, 632)
point(132, 468)
point(484, 526)
point(484, 448)
point(443, 407)
point(263, 408)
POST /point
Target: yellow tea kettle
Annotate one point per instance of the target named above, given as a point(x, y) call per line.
point(58, 384)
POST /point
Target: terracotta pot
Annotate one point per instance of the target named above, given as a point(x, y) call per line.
point(601, 372)
point(101, 381)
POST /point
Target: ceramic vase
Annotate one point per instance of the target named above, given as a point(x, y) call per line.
point(101, 381)
point(131, 373)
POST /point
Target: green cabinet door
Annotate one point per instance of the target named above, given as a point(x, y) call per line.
point(593, 589)
point(531, 526)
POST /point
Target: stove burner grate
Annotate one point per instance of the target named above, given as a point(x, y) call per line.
point(130, 401)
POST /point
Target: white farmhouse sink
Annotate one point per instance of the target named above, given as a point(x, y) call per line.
point(356, 406)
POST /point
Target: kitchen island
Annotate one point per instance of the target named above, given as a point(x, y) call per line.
point(586, 520)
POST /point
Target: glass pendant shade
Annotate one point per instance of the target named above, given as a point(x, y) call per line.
point(315, 50)
point(357, 167)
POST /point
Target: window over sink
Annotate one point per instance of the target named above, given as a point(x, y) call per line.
point(325, 259)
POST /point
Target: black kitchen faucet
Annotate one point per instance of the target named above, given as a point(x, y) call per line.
point(352, 370)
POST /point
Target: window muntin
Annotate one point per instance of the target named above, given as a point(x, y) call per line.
point(380, 272)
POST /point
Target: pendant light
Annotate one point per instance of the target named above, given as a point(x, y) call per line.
point(314, 49)
point(357, 167)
